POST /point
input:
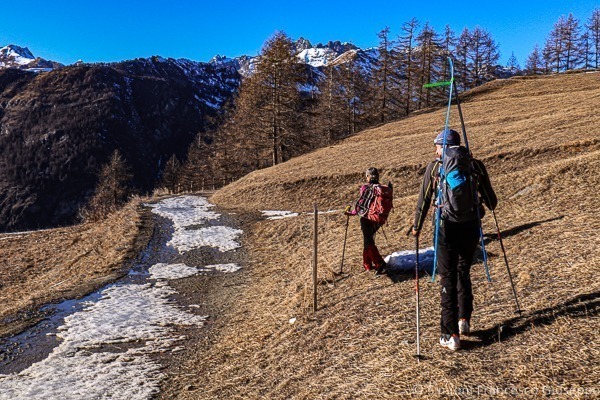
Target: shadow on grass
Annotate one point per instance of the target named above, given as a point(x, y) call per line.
point(582, 306)
point(489, 237)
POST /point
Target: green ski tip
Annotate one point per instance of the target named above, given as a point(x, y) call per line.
point(437, 84)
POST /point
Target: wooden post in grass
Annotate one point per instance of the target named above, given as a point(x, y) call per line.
point(314, 271)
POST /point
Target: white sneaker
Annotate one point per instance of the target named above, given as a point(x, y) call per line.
point(451, 342)
point(463, 326)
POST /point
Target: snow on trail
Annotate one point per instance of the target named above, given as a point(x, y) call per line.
point(105, 348)
point(190, 211)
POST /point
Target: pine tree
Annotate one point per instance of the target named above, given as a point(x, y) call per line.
point(534, 64)
point(341, 103)
point(563, 45)
point(382, 81)
point(586, 49)
point(406, 63)
point(355, 89)
point(513, 64)
point(112, 190)
point(431, 48)
point(448, 44)
point(170, 179)
point(328, 108)
point(478, 54)
point(573, 54)
point(269, 118)
point(461, 73)
point(593, 27)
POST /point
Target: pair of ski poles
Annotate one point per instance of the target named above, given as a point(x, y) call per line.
point(417, 291)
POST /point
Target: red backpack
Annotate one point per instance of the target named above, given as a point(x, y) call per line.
point(375, 203)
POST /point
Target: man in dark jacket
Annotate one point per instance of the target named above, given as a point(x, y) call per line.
point(457, 238)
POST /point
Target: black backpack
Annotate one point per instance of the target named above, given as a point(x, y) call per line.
point(458, 187)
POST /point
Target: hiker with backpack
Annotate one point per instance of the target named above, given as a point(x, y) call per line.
point(373, 206)
point(464, 184)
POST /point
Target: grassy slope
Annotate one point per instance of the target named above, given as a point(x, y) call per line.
point(540, 141)
point(45, 266)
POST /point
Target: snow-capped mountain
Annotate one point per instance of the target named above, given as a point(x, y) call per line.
point(316, 56)
point(13, 56)
point(321, 55)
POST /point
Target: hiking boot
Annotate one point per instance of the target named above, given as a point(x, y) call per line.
point(451, 342)
point(463, 326)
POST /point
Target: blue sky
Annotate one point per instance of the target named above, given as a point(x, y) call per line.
point(111, 30)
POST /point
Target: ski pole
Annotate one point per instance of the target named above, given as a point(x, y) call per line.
point(385, 236)
point(417, 294)
point(464, 132)
point(410, 229)
point(344, 248)
point(506, 262)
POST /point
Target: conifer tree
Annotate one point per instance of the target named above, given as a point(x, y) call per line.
point(513, 64)
point(593, 27)
point(462, 59)
point(478, 54)
point(431, 49)
point(112, 190)
point(563, 45)
point(572, 43)
point(406, 62)
point(448, 43)
point(170, 179)
point(586, 51)
point(382, 80)
point(268, 120)
point(534, 64)
point(354, 93)
point(341, 104)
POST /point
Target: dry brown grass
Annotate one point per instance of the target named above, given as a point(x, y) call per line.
point(40, 267)
point(541, 143)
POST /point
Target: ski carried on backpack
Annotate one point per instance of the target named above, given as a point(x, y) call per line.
point(452, 180)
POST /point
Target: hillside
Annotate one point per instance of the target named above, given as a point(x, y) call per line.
point(48, 266)
point(57, 130)
point(539, 140)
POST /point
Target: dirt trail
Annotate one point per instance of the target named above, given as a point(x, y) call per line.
point(203, 294)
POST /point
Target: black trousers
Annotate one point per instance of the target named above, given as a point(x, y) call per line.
point(456, 248)
point(368, 229)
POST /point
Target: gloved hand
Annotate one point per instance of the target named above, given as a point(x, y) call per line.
point(348, 211)
point(412, 231)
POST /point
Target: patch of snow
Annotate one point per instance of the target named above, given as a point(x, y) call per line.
point(317, 57)
point(276, 214)
point(185, 210)
point(222, 237)
point(189, 211)
point(226, 268)
point(82, 367)
point(405, 259)
point(171, 271)
point(38, 70)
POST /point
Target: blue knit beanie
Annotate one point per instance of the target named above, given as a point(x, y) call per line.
point(452, 138)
